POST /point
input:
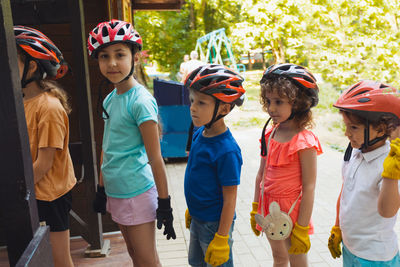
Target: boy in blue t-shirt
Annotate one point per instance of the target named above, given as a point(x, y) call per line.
point(214, 165)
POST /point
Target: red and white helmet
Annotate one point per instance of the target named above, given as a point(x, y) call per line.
point(370, 100)
point(113, 31)
point(39, 47)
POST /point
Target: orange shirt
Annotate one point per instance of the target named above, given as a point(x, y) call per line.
point(48, 126)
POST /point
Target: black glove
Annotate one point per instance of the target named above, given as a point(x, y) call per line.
point(164, 216)
point(99, 203)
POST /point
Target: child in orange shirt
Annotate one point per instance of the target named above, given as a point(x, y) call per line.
point(288, 170)
point(46, 112)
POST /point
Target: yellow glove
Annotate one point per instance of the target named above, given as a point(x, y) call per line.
point(391, 165)
point(218, 250)
point(188, 219)
point(334, 242)
point(299, 239)
point(252, 220)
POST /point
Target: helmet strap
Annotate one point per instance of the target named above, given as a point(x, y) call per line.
point(24, 81)
point(367, 143)
point(263, 143)
point(130, 73)
point(215, 117)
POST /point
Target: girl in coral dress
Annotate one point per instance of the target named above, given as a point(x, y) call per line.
point(288, 167)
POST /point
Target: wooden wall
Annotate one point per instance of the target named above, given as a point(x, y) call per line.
point(95, 11)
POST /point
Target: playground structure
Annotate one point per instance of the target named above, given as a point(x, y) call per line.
point(215, 40)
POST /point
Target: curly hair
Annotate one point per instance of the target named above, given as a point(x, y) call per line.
point(301, 103)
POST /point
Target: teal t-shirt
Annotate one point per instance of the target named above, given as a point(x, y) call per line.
point(125, 168)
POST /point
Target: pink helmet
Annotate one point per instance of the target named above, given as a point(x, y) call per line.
point(113, 31)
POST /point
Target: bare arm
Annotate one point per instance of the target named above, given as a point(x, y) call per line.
point(260, 175)
point(43, 163)
point(228, 209)
point(308, 161)
point(150, 136)
point(389, 198)
point(338, 208)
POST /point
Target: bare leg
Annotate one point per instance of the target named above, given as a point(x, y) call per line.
point(296, 260)
point(141, 244)
point(279, 253)
point(61, 249)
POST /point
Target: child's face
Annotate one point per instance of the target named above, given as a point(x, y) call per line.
point(115, 62)
point(278, 107)
point(202, 108)
point(355, 134)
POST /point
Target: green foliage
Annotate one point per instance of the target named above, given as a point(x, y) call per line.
point(169, 35)
point(344, 41)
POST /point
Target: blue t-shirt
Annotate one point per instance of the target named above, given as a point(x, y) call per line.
point(213, 162)
point(125, 168)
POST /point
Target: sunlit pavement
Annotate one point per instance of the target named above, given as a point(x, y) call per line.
point(249, 250)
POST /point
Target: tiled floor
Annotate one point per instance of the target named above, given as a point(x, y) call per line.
point(249, 250)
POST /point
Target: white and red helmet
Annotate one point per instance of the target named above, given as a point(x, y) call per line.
point(113, 31)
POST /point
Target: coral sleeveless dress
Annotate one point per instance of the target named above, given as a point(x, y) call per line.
point(282, 172)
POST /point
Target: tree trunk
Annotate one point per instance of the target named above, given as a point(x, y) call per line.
point(263, 58)
point(250, 64)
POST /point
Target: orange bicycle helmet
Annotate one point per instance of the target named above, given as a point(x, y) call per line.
point(113, 31)
point(40, 48)
point(370, 100)
point(217, 81)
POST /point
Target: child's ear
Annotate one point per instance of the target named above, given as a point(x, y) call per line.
point(136, 56)
point(381, 129)
point(224, 108)
point(32, 67)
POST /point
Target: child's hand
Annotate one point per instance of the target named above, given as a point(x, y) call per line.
point(218, 250)
point(253, 220)
point(334, 242)
point(164, 216)
point(188, 219)
point(391, 165)
point(300, 240)
point(99, 203)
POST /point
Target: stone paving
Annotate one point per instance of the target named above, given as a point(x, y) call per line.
point(249, 250)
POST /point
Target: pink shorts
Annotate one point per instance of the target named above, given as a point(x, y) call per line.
point(135, 210)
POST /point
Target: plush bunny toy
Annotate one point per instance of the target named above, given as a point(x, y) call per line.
point(277, 225)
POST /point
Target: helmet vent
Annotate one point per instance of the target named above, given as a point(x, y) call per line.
point(354, 87)
point(96, 30)
point(229, 92)
point(383, 86)
point(284, 67)
point(113, 25)
point(93, 40)
point(364, 100)
point(362, 92)
point(121, 32)
point(104, 32)
point(308, 79)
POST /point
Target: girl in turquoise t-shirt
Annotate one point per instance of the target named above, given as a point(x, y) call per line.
point(132, 172)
